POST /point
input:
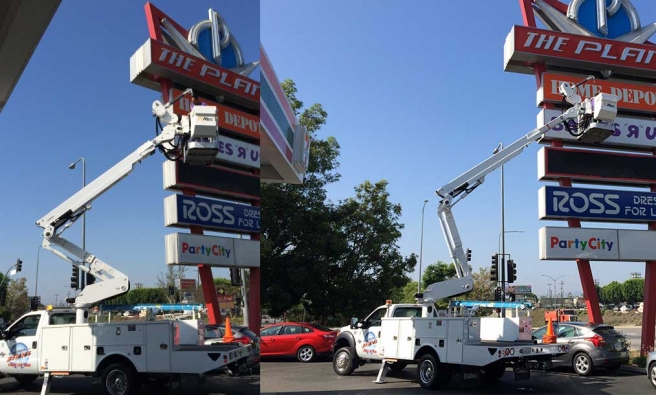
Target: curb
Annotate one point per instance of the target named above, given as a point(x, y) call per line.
point(633, 369)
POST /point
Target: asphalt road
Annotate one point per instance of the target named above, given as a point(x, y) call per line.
point(80, 385)
point(290, 377)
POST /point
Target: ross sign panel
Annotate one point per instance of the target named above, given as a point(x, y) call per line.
point(155, 59)
point(185, 211)
point(596, 204)
point(630, 96)
point(212, 181)
point(190, 249)
point(230, 119)
point(527, 45)
point(578, 243)
point(630, 132)
point(596, 166)
point(597, 244)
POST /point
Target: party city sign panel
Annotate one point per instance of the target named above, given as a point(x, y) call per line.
point(578, 243)
point(596, 204)
point(190, 249)
point(185, 211)
point(597, 244)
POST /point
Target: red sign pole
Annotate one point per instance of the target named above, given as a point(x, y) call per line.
point(649, 307)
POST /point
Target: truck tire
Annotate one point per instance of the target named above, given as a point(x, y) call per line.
point(431, 373)
point(343, 362)
point(493, 371)
point(25, 379)
point(306, 354)
point(582, 364)
point(398, 366)
point(120, 379)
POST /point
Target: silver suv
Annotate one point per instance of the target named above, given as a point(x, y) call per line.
point(591, 346)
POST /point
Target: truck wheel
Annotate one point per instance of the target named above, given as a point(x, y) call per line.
point(398, 366)
point(306, 354)
point(582, 364)
point(493, 371)
point(432, 374)
point(343, 363)
point(25, 379)
point(120, 379)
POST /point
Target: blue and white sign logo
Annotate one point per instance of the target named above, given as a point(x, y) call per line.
point(180, 210)
point(212, 40)
point(596, 204)
point(610, 19)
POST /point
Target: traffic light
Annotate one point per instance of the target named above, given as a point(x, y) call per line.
point(90, 279)
point(512, 271)
point(75, 278)
point(19, 265)
point(497, 294)
point(235, 276)
point(35, 301)
point(468, 255)
point(494, 273)
point(171, 290)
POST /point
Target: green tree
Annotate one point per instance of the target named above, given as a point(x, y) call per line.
point(483, 286)
point(437, 272)
point(613, 292)
point(313, 251)
point(633, 290)
point(17, 302)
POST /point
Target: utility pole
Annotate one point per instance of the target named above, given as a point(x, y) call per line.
point(550, 295)
point(561, 288)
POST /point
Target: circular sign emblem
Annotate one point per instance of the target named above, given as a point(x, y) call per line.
point(605, 18)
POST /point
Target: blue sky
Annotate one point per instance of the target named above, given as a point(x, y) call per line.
point(416, 94)
point(75, 99)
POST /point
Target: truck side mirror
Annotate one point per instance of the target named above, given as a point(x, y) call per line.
point(354, 322)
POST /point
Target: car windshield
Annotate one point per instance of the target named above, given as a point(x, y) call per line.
point(321, 327)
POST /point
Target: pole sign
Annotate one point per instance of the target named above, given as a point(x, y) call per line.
point(596, 204)
point(526, 45)
point(187, 284)
point(630, 132)
point(185, 211)
point(233, 120)
point(596, 166)
point(519, 289)
point(191, 249)
point(630, 96)
point(597, 244)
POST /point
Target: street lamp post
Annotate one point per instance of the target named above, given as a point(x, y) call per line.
point(84, 215)
point(421, 245)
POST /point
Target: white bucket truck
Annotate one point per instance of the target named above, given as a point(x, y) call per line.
point(124, 354)
point(443, 342)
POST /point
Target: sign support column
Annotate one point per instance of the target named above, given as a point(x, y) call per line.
point(649, 307)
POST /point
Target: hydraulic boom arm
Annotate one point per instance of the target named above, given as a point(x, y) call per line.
point(194, 138)
point(597, 112)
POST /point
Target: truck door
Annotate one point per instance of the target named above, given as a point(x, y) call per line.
point(367, 338)
point(18, 349)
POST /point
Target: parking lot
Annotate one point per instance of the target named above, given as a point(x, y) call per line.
point(290, 377)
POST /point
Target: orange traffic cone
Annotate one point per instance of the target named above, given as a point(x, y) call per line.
point(549, 337)
point(228, 337)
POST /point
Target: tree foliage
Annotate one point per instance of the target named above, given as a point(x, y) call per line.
point(17, 301)
point(633, 290)
point(612, 293)
point(437, 272)
point(330, 258)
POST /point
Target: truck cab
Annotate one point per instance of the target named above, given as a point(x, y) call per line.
point(359, 342)
point(19, 342)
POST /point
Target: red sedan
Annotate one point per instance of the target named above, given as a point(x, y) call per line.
point(305, 341)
